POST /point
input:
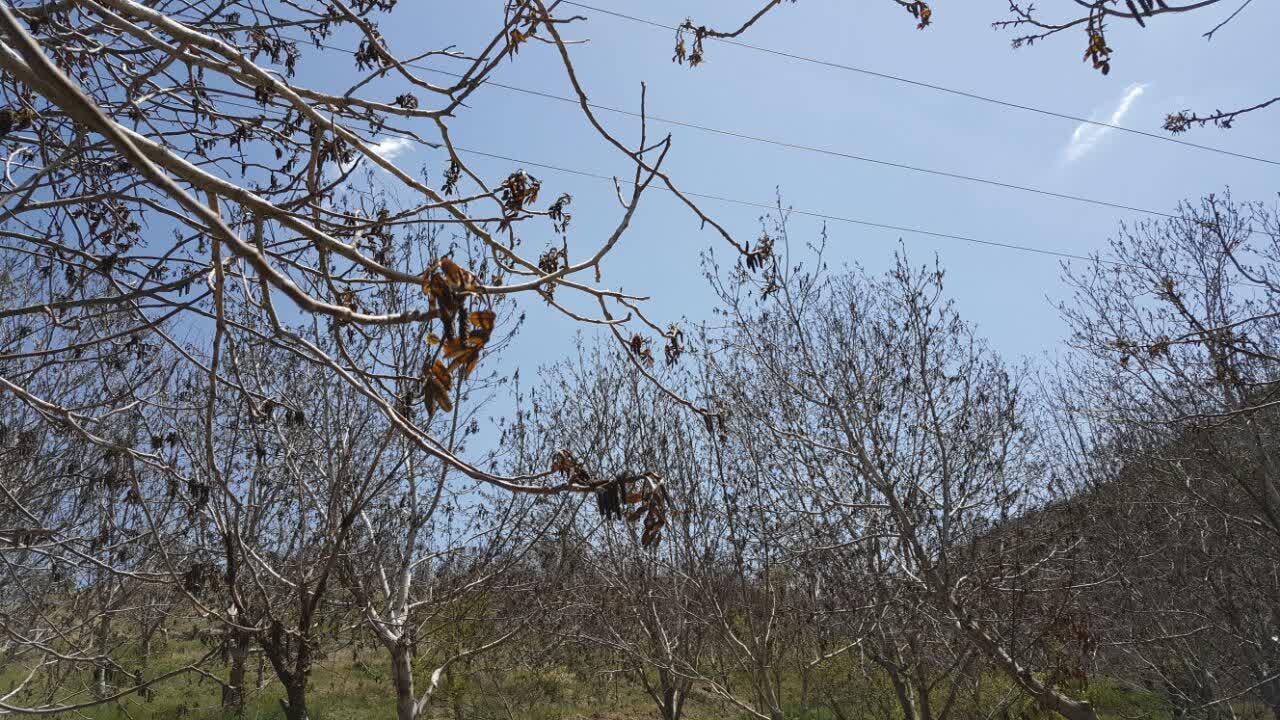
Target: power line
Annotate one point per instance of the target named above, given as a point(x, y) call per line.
point(807, 213)
point(751, 203)
point(768, 206)
point(785, 144)
point(827, 216)
point(930, 86)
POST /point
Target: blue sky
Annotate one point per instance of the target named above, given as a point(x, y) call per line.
point(1166, 67)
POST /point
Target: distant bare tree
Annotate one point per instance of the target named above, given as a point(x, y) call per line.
point(901, 429)
point(430, 564)
point(640, 576)
point(1177, 332)
point(289, 480)
point(78, 543)
point(757, 601)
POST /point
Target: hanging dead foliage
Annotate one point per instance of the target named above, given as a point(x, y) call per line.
point(640, 347)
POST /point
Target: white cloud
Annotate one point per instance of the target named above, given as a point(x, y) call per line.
point(1087, 135)
point(388, 149)
point(391, 147)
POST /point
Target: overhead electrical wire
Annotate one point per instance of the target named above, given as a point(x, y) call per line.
point(788, 145)
point(930, 86)
point(753, 203)
point(1062, 254)
point(795, 211)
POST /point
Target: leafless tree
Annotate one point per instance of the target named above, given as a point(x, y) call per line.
point(1177, 361)
point(78, 544)
point(125, 120)
point(430, 563)
point(193, 237)
point(903, 430)
point(287, 484)
point(638, 597)
point(756, 600)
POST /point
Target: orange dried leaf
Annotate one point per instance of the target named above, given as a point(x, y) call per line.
point(483, 320)
point(456, 276)
point(435, 385)
point(463, 353)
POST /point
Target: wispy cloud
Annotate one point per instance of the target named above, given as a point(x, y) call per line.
point(388, 149)
point(1087, 135)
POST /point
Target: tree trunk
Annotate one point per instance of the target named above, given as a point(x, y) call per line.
point(805, 674)
point(905, 699)
point(101, 675)
point(295, 707)
point(671, 702)
point(233, 696)
point(1271, 696)
point(402, 678)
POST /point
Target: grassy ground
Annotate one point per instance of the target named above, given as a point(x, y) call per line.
point(356, 686)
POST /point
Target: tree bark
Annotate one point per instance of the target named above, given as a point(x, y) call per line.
point(402, 678)
point(101, 675)
point(233, 695)
point(1271, 696)
point(295, 707)
point(672, 700)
